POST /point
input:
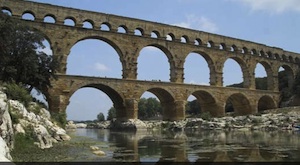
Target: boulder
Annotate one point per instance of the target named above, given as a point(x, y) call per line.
point(81, 125)
point(43, 137)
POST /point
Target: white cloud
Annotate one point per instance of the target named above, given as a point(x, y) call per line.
point(272, 6)
point(199, 23)
point(100, 67)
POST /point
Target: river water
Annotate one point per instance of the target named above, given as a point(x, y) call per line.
point(197, 146)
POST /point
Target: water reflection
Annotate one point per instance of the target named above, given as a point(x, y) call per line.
point(200, 146)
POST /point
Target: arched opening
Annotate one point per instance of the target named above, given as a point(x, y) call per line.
point(28, 16)
point(222, 46)
point(285, 82)
point(202, 104)
point(233, 48)
point(6, 11)
point(155, 34)
point(153, 64)
point(92, 57)
point(232, 74)
point(238, 104)
point(291, 59)
point(122, 29)
point(88, 24)
point(184, 39)
point(149, 107)
point(198, 42)
point(261, 78)
point(105, 26)
point(69, 22)
point(210, 44)
point(87, 102)
point(170, 37)
point(49, 19)
point(166, 100)
point(265, 102)
point(196, 69)
point(244, 50)
point(139, 32)
point(253, 52)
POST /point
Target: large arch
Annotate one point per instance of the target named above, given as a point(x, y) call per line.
point(244, 70)
point(207, 68)
point(149, 66)
point(240, 104)
point(265, 102)
point(207, 103)
point(166, 100)
point(88, 54)
point(114, 96)
point(266, 78)
point(286, 74)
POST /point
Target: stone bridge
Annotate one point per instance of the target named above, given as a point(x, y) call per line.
point(128, 36)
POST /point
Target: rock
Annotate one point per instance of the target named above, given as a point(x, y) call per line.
point(18, 128)
point(71, 125)
point(129, 125)
point(45, 113)
point(81, 125)
point(99, 153)
point(6, 127)
point(94, 148)
point(43, 137)
point(4, 152)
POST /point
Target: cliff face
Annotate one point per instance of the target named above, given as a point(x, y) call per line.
point(16, 119)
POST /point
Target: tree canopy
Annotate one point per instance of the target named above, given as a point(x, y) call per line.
point(21, 61)
point(100, 117)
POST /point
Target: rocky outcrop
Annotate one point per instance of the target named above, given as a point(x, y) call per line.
point(16, 119)
point(129, 125)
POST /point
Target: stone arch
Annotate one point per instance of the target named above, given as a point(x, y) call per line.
point(170, 37)
point(29, 13)
point(166, 99)
point(240, 104)
point(51, 16)
point(105, 26)
point(210, 64)
point(198, 41)
point(207, 103)
point(115, 96)
point(291, 59)
point(245, 50)
point(7, 9)
point(167, 54)
point(244, 69)
point(184, 39)
point(269, 71)
point(253, 52)
point(210, 44)
point(155, 34)
point(222, 46)
point(88, 21)
point(109, 42)
point(122, 29)
point(139, 31)
point(69, 18)
point(265, 102)
point(290, 75)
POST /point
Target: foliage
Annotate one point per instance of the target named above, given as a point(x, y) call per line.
point(100, 117)
point(149, 108)
point(112, 113)
point(193, 107)
point(60, 118)
point(205, 116)
point(18, 92)
point(21, 62)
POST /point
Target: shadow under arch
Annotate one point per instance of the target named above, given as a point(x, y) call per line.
point(240, 104)
point(166, 100)
point(287, 75)
point(210, 63)
point(265, 102)
point(207, 103)
point(169, 56)
point(116, 98)
point(105, 40)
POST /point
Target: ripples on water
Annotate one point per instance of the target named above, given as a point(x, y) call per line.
point(199, 146)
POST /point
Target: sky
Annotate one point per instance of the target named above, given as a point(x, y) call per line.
point(271, 22)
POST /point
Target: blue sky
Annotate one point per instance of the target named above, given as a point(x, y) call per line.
point(271, 22)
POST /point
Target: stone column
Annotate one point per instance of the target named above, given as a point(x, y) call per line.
point(131, 109)
point(177, 72)
point(129, 60)
point(174, 111)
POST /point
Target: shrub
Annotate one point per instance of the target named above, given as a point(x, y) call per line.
point(60, 118)
point(17, 92)
point(205, 116)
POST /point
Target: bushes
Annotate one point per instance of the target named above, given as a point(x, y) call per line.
point(59, 118)
point(17, 92)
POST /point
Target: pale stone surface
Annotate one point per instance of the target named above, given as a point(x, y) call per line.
point(81, 125)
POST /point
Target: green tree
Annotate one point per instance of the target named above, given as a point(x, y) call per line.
point(21, 61)
point(112, 113)
point(149, 108)
point(100, 117)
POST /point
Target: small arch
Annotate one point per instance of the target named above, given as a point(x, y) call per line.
point(207, 103)
point(170, 37)
point(265, 102)
point(122, 29)
point(253, 52)
point(28, 15)
point(222, 46)
point(155, 34)
point(49, 19)
point(198, 41)
point(284, 58)
point(261, 53)
point(297, 60)
point(239, 104)
point(210, 44)
point(88, 24)
point(233, 48)
point(139, 32)
point(285, 77)
point(291, 59)
point(184, 39)
point(269, 55)
point(276, 56)
point(105, 26)
point(70, 21)
point(245, 50)
point(6, 10)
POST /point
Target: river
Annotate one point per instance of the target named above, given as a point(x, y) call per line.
point(195, 146)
